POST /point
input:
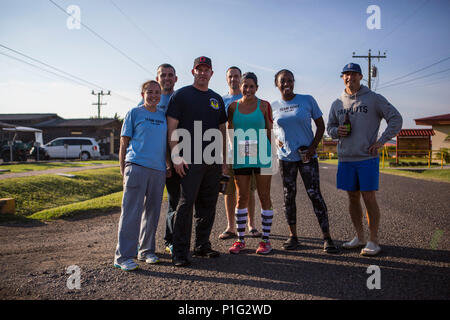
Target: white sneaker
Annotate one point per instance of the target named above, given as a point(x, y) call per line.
point(128, 265)
point(150, 258)
point(371, 249)
point(355, 243)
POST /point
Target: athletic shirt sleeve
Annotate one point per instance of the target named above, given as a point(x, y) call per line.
point(127, 126)
point(315, 110)
point(174, 108)
point(223, 113)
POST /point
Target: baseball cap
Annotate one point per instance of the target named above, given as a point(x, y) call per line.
point(352, 67)
point(202, 60)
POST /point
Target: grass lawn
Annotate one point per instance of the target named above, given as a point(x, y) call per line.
point(25, 167)
point(37, 193)
point(100, 204)
point(442, 175)
point(48, 197)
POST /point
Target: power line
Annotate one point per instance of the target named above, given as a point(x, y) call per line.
point(138, 28)
point(416, 10)
point(75, 79)
point(49, 66)
point(411, 73)
point(370, 57)
point(404, 21)
point(421, 77)
point(145, 34)
point(42, 69)
point(438, 80)
point(103, 39)
point(99, 100)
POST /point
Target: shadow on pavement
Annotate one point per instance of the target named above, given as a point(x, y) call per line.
point(337, 276)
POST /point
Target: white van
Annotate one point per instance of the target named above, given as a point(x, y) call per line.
point(73, 147)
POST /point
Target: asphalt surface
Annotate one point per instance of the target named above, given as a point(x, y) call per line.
point(414, 262)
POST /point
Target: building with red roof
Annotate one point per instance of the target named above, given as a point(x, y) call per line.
point(441, 126)
point(414, 142)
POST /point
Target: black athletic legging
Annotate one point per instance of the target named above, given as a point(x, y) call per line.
point(310, 176)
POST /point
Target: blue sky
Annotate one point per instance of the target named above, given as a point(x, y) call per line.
point(314, 39)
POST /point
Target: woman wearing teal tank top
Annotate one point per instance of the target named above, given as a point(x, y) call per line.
point(251, 120)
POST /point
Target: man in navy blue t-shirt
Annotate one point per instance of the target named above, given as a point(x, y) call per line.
point(196, 109)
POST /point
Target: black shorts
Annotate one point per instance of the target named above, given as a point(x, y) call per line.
point(246, 171)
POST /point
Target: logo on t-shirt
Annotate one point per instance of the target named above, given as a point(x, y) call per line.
point(289, 108)
point(353, 110)
point(154, 121)
point(214, 103)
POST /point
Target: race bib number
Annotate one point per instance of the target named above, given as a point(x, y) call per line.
point(248, 148)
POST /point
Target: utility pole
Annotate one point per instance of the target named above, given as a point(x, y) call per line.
point(370, 56)
point(99, 102)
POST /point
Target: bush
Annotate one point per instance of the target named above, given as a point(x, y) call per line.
point(446, 154)
point(393, 164)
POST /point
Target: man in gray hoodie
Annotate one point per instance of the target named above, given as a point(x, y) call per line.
point(358, 166)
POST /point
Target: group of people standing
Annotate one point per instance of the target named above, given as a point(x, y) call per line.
point(150, 158)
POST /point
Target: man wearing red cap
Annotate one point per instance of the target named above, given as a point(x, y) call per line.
point(195, 109)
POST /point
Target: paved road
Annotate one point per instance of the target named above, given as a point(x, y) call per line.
point(414, 263)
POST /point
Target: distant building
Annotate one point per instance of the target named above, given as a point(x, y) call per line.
point(441, 126)
point(329, 146)
point(105, 131)
point(414, 142)
point(27, 119)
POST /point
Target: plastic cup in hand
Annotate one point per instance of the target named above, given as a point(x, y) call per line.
point(223, 183)
point(303, 154)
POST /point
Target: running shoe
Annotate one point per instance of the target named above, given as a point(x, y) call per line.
point(150, 258)
point(180, 261)
point(354, 243)
point(329, 246)
point(264, 247)
point(128, 265)
point(169, 248)
point(237, 247)
point(291, 243)
point(371, 249)
point(206, 252)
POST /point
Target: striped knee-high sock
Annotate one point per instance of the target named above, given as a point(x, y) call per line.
point(266, 216)
point(241, 222)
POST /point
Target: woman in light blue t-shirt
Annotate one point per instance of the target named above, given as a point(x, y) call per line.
point(142, 159)
point(292, 117)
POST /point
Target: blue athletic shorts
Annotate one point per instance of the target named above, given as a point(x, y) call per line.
point(358, 175)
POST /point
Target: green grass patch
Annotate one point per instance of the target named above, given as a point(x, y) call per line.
point(100, 204)
point(332, 161)
point(37, 193)
point(26, 167)
point(442, 175)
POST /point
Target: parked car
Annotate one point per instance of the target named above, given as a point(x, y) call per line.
point(43, 155)
point(19, 150)
point(83, 148)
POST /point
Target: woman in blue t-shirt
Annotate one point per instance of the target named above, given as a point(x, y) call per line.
point(142, 159)
point(292, 117)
